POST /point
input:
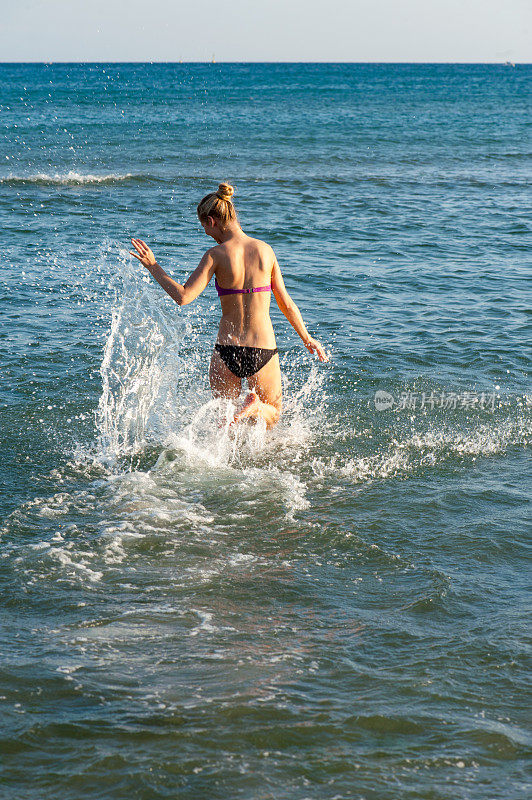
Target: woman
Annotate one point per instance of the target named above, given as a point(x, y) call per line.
point(246, 272)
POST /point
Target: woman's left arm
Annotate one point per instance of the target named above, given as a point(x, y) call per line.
point(195, 284)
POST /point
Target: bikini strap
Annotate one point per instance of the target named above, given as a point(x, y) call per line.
point(221, 291)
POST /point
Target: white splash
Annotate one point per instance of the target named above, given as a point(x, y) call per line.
point(140, 369)
point(70, 178)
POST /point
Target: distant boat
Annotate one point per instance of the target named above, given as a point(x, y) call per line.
point(509, 64)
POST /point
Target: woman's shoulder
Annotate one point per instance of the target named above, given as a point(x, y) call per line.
point(262, 247)
point(217, 252)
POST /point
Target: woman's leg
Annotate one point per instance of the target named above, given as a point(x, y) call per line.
point(265, 397)
point(223, 382)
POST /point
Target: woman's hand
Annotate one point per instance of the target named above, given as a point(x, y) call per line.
point(315, 347)
point(144, 254)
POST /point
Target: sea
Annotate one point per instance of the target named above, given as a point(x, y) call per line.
point(335, 609)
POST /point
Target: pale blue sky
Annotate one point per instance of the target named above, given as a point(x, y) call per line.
point(271, 30)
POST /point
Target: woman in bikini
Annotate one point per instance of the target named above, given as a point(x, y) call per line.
point(246, 272)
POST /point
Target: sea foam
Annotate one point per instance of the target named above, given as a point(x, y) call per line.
point(70, 178)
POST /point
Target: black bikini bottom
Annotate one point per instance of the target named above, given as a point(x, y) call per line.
point(244, 361)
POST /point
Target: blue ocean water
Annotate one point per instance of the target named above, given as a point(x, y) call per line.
point(335, 609)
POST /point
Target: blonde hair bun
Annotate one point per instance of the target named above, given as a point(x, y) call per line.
point(218, 204)
point(225, 191)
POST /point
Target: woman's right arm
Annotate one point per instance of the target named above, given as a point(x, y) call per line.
point(292, 313)
point(195, 284)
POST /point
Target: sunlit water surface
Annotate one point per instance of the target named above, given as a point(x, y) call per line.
point(336, 608)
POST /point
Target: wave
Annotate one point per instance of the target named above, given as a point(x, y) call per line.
point(70, 178)
point(426, 450)
point(73, 178)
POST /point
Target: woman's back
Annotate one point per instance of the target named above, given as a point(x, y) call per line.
point(244, 263)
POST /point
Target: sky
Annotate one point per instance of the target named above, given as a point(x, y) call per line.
point(266, 30)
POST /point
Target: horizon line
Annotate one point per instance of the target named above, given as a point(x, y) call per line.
point(215, 62)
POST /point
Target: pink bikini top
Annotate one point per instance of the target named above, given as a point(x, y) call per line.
point(221, 291)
